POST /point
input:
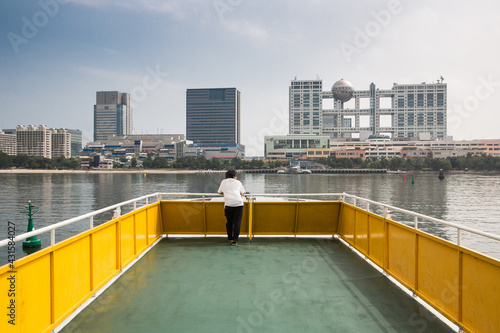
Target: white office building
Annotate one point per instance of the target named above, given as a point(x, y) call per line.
point(406, 111)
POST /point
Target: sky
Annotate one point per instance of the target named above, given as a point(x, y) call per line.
point(56, 54)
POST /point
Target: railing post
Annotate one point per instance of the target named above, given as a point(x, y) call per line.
point(147, 201)
point(91, 223)
point(354, 201)
point(52, 236)
point(117, 212)
point(386, 212)
point(416, 222)
point(250, 217)
point(135, 205)
point(367, 206)
point(204, 215)
point(458, 236)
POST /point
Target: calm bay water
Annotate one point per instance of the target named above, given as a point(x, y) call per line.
point(468, 199)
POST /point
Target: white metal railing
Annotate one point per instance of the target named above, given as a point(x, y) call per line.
point(251, 197)
point(52, 228)
point(416, 216)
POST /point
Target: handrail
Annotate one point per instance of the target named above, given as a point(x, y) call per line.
point(428, 218)
point(90, 215)
point(298, 194)
point(159, 195)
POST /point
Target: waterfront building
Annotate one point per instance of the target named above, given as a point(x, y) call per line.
point(135, 145)
point(288, 147)
point(409, 111)
point(8, 143)
point(492, 146)
point(112, 114)
point(169, 146)
point(378, 148)
point(351, 153)
point(34, 141)
point(46, 142)
point(76, 142)
point(318, 152)
point(213, 116)
point(292, 146)
point(60, 143)
point(227, 151)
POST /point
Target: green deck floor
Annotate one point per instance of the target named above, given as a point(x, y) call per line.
point(269, 285)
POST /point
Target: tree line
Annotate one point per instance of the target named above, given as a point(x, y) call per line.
point(37, 162)
point(470, 162)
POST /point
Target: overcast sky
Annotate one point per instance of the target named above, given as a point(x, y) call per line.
point(55, 55)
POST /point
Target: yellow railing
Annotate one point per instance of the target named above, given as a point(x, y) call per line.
point(49, 285)
point(260, 218)
point(461, 284)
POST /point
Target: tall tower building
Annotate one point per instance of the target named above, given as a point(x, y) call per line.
point(213, 116)
point(305, 107)
point(112, 114)
point(411, 110)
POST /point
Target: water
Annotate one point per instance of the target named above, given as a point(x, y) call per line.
point(467, 199)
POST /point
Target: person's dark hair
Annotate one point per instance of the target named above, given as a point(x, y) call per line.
point(230, 173)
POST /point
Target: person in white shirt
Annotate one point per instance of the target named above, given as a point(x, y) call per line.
point(233, 205)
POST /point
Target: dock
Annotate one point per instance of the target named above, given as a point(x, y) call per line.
point(319, 170)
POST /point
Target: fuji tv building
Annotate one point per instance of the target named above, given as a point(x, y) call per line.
point(404, 112)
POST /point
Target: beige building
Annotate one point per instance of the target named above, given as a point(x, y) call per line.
point(61, 143)
point(8, 143)
point(34, 141)
point(42, 141)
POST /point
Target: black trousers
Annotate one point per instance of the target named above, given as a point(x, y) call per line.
point(233, 217)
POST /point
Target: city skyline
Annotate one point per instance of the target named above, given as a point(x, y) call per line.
point(56, 54)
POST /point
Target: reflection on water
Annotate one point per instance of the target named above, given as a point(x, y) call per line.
point(466, 199)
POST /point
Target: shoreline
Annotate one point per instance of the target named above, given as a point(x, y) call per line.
point(151, 171)
point(156, 171)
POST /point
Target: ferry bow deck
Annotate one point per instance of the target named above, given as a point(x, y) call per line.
point(268, 285)
point(202, 284)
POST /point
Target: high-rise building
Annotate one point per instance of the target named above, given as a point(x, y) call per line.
point(34, 141)
point(410, 111)
point(305, 107)
point(76, 142)
point(112, 114)
point(42, 141)
point(213, 116)
point(60, 143)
